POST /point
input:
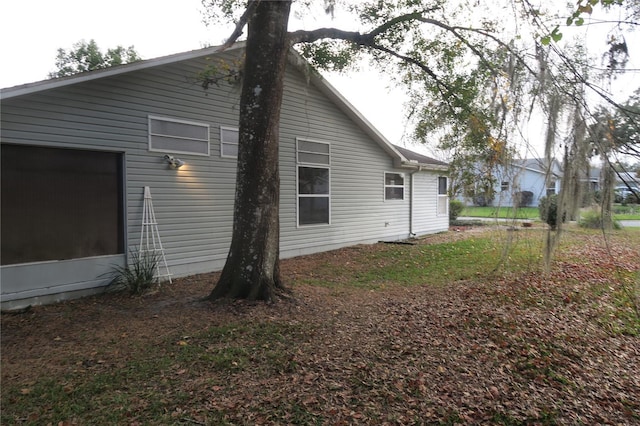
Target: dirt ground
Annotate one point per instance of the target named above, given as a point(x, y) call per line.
point(516, 350)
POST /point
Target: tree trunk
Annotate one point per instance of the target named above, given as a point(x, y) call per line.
point(252, 267)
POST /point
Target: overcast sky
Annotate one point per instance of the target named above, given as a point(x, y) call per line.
point(32, 30)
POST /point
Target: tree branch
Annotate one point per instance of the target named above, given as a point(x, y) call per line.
point(368, 39)
point(242, 22)
point(302, 36)
point(365, 39)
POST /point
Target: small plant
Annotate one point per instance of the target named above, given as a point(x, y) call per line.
point(139, 275)
point(592, 219)
point(455, 207)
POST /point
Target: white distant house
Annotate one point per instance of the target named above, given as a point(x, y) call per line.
point(78, 151)
point(524, 175)
point(531, 175)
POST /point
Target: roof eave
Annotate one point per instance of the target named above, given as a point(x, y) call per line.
point(408, 164)
point(39, 86)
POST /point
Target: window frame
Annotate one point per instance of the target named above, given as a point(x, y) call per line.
point(504, 185)
point(150, 135)
point(442, 197)
point(222, 142)
point(312, 165)
point(385, 186)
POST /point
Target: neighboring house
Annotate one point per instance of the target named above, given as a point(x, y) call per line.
point(623, 180)
point(529, 174)
point(524, 175)
point(78, 151)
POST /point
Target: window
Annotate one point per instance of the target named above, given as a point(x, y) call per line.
point(504, 186)
point(314, 182)
point(228, 142)
point(394, 186)
point(60, 204)
point(442, 185)
point(179, 136)
point(313, 152)
point(443, 198)
point(551, 189)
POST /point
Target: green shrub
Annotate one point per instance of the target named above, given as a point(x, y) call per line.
point(139, 275)
point(632, 199)
point(523, 198)
point(548, 208)
point(592, 219)
point(455, 207)
point(482, 200)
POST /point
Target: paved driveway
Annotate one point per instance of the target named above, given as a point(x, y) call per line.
point(623, 223)
point(630, 223)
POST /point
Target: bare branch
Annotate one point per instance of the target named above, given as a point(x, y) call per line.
point(368, 39)
point(365, 39)
point(242, 22)
point(302, 36)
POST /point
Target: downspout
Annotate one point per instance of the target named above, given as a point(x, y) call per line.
point(411, 233)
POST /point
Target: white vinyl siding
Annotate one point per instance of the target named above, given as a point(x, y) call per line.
point(194, 208)
point(178, 136)
point(228, 142)
point(394, 187)
point(314, 182)
point(424, 194)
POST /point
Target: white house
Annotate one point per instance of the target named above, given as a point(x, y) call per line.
point(523, 175)
point(531, 175)
point(78, 151)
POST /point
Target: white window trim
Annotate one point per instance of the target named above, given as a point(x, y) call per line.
point(385, 186)
point(316, 166)
point(228, 143)
point(444, 196)
point(176, 120)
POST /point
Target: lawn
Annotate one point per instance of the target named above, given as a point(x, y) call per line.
point(626, 212)
point(456, 328)
point(501, 212)
point(630, 212)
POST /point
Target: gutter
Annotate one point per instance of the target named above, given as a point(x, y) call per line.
point(407, 164)
point(411, 200)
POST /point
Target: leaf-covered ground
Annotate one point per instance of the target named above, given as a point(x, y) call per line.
point(509, 346)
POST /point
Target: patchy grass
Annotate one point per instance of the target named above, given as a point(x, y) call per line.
point(113, 392)
point(458, 328)
point(434, 264)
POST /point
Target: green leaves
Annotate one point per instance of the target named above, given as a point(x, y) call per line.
point(88, 57)
point(555, 35)
point(332, 55)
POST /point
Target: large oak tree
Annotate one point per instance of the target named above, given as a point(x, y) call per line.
point(252, 267)
point(461, 78)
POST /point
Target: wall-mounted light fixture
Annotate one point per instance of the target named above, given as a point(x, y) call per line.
point(174, 163)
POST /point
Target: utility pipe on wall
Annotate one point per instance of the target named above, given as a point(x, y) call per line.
point(411, 201)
